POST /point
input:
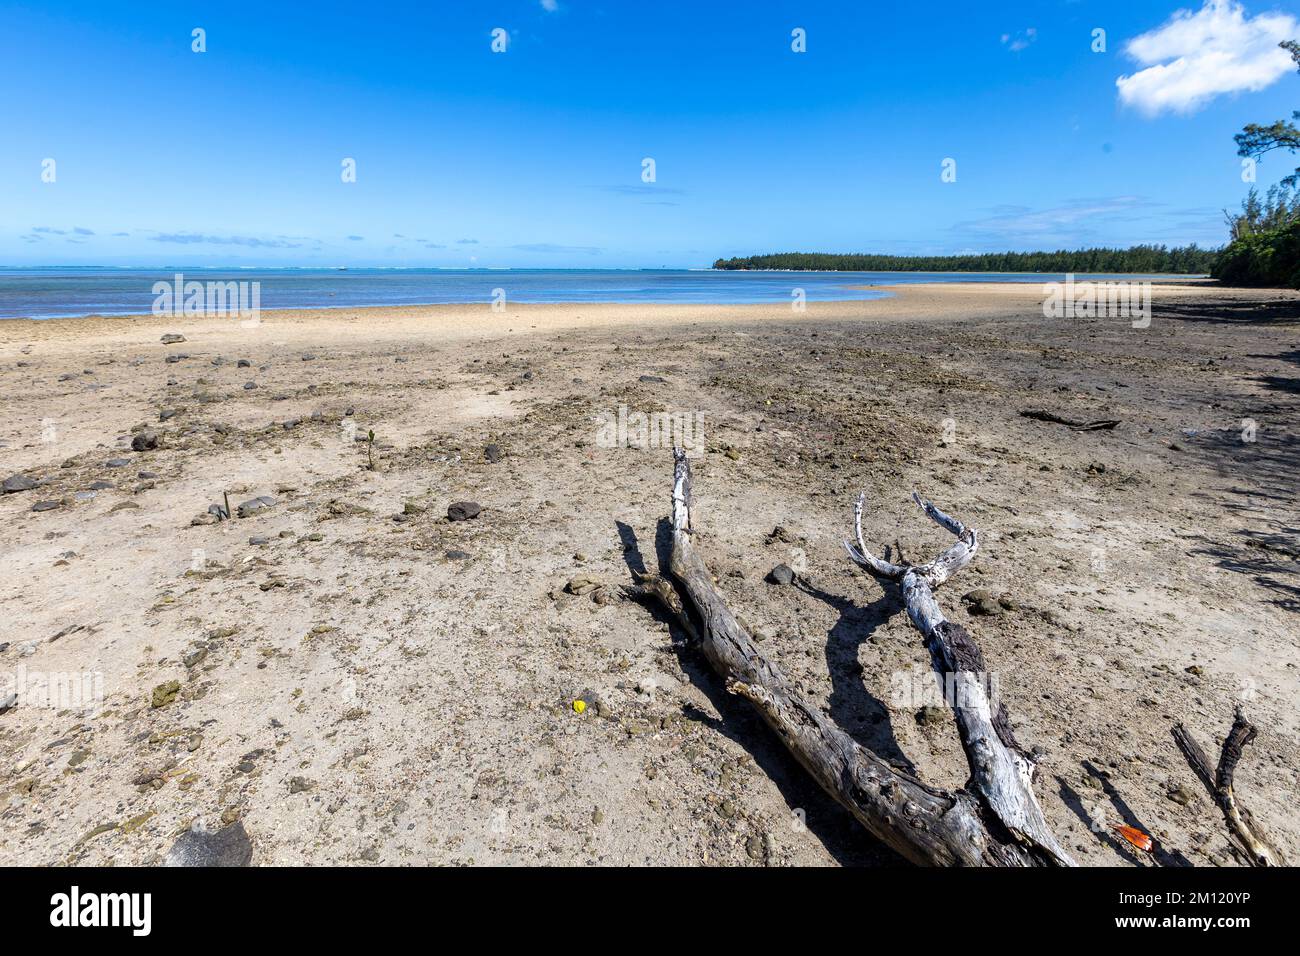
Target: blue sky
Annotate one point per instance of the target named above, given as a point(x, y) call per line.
point(533, 157)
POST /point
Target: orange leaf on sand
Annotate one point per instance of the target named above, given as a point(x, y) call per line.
point(1134, 836)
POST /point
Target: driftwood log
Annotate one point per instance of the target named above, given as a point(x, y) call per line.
point(994, 820)
point(1218, 781)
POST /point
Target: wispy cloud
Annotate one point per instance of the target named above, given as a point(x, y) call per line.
point(1194, 57)
point(192, 238)
point(356, 238)
point(1015, 42)
point(467, 242)
point(1069, 224)
point(550, 6)
point(554, 247)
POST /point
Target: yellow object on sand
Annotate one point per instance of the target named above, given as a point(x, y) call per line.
point(579, 705)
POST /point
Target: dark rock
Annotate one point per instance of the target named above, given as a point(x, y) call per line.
point(147, 475)
point(981, 602)
point(259, 539)
point(145, 440)
point(16, 483)
point(173, 338)
point(243, 363)
point(101, 485)
point(463, 510)
point(492, 453)
point(653, 380)
point(254, 505)
point(167, 413)
point(179, 356)
point(458, 555)
point(45, 506)
point(117, 462)
point(781, 574)
point(229, 846)
point(249, 386)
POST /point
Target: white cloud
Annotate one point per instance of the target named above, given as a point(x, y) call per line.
point(1019, 41)
point(1195, 57)
point(550, 6)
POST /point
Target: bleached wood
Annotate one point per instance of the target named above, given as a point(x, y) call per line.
point(1001, 773)
point(925, 825)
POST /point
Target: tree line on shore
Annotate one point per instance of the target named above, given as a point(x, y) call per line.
point(1183, 260)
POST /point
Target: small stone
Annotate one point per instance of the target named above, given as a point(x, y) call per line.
point(931, 716)
point(259, 539)
point(492, 453)
point(1195, 669)
point(781, 574)
point(301, 785)
point(597, 817)
point(229, 846)
point(194, 656)
point(173, 338)
point(16, 483)
point(117, 462)
point(754, 847)
point(463, 510)
point(1181, 795)
point(458, 555)
point(45, 505)
point(249, 386)
point(164, 694)
point(254, 505)
point(145, 440)
point(982, 602)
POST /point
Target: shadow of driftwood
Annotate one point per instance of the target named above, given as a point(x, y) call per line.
point(1159, 854)
point(841, 835)
point(861, 715)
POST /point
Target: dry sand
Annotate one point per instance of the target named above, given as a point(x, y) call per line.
point(356, 691)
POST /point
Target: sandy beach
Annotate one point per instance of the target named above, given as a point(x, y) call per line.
point(358, 679)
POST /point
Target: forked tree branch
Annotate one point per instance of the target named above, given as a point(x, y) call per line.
point(993, 825)
point(1218, 782)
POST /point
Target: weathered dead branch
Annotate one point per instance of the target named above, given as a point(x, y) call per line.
point(1244, 830)
point(994, 821)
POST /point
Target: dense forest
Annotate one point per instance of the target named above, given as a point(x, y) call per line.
point(1145, 259)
